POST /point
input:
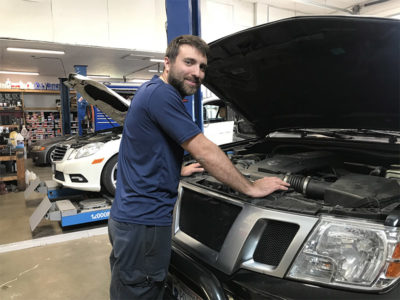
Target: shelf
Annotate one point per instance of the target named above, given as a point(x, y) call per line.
point(38, 122)
point(29, 91)
point(13, 126)
point(40, 109)
point(33, 91)
point(8, 177)
point(11, 109)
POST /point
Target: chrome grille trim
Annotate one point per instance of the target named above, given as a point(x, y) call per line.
point(242, 239)
point(59, 152)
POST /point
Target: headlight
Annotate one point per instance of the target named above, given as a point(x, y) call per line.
point(351, 254)
point(86, 150)
point(38, 148)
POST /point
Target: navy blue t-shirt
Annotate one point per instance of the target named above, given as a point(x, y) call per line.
point(150, 155)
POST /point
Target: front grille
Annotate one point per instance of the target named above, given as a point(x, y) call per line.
point(274, 241)
point(59, 175)
point(59, 152)
point(206, 219)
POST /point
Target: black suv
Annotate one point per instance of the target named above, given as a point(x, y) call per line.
point(323, 95)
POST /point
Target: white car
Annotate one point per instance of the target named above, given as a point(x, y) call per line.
point(89, 163)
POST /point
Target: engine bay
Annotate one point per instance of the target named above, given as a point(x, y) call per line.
point(322, 179)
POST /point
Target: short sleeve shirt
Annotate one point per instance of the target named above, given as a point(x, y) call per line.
point(150, 155)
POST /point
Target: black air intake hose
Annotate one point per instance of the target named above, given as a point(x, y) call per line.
point(310, 187)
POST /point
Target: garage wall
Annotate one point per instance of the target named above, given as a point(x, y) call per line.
point(220, 18)
point(223, 17)
point(138, 24)
point(133, 24)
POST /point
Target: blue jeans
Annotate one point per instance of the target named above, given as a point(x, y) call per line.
point(139, 260)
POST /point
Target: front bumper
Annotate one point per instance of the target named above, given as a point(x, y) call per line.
point(63, 170)
point(244, 284)
point(39, 157)
point(194, 275)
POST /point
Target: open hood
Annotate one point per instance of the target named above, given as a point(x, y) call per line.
point(311, 72)
point(97, 94)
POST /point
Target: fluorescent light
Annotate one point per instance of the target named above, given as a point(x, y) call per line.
point(99, 76)
point(155, 71)
point(19, 73)
point(35, 50)
point(156, 60)
point(139, 80)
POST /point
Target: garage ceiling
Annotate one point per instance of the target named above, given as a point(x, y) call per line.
point(124, 64)
point(117, 63)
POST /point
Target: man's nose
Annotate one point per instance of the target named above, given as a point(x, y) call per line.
point(197, 72)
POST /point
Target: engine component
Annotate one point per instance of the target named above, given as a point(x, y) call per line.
point(296, 163)
point(310, 187)
point(356, 190)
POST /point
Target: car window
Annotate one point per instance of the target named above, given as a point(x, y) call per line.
point(214, 113)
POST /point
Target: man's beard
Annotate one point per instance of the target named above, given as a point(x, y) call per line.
point(184, 90)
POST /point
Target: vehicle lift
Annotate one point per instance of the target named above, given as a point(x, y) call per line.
point(69, 206)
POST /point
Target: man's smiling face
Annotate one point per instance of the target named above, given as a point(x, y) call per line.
point(187, 72)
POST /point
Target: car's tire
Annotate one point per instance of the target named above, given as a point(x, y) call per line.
point(49, 159)
point(109, 175)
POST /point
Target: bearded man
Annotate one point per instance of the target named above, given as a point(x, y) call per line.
point(157, 130)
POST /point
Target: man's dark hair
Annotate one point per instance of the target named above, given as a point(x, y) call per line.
point(192, 40)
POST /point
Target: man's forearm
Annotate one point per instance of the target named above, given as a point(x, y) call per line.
point(215, 161)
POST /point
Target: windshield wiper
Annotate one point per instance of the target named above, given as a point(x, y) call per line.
point(392, 136)
point(345, 134)
point(320, 132)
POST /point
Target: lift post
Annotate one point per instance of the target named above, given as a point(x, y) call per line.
point(183, 17)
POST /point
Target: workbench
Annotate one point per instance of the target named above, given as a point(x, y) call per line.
point(19, 176)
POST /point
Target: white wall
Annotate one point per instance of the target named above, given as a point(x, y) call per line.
point(132, 24)
point(137, 24)
point(222, 17)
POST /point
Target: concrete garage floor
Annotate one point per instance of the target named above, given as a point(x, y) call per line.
point(51, 262)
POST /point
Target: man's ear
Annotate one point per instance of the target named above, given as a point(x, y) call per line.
point(166, 63)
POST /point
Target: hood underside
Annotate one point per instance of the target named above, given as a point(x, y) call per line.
point(97, 94)
point(311, 72)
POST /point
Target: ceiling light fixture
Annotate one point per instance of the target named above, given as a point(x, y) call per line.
point(138, 80)
point(155, 71)
point(35, 51)
point(156, 60)
point(19, 73)
point(133, 56)
point(99, 76)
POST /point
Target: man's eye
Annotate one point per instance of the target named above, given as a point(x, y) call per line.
point(188, 62)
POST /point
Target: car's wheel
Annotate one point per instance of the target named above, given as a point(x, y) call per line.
point(49, 155)
point(109, 175)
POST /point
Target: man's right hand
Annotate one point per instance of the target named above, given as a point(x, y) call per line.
point(217, 163)
point(267, 185)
